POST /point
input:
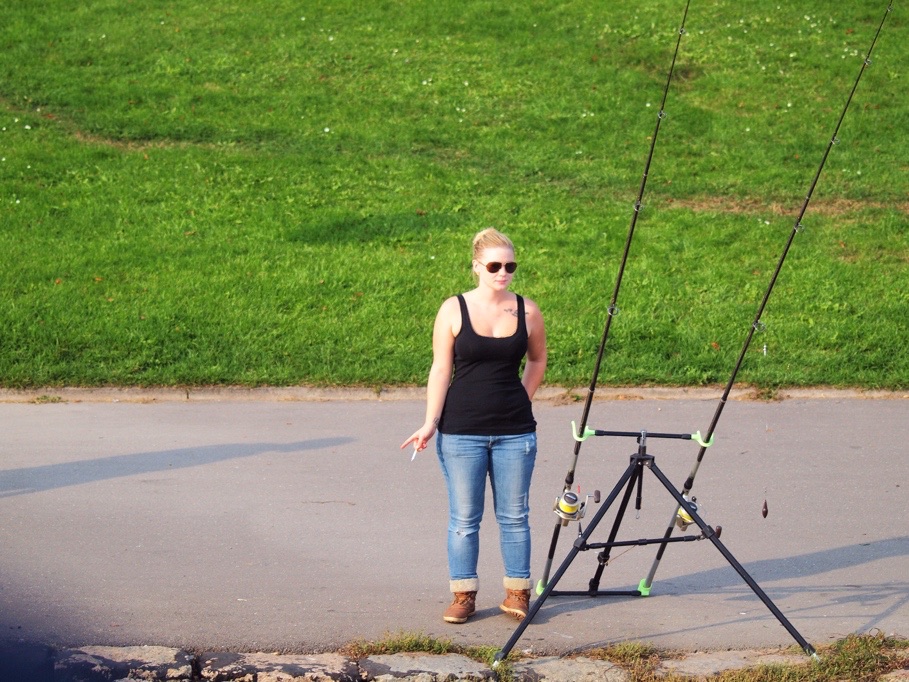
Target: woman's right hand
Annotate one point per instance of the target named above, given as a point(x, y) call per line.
point(420, 437)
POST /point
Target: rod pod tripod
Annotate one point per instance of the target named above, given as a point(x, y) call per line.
point(632, 480)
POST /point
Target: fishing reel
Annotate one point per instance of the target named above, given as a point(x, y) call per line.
point(683, 518)
point(570, 508)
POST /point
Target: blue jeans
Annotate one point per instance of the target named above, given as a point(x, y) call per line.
point(466, 461)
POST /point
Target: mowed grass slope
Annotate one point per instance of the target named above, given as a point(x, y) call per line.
point(275, 193)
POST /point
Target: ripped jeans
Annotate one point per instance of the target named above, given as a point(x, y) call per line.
point(466, 461)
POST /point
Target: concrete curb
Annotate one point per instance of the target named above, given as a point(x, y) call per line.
point(36, 663)
point(548, 394)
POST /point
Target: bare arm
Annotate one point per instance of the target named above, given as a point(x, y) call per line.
point(443, 337)
point(535, 367)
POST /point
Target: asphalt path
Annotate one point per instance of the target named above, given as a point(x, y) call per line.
point(288, 525)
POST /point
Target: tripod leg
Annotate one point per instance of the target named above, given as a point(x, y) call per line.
point(552, 548)
point(710, 534)
point(576, 547)
point(603, 557)
point(647, 582)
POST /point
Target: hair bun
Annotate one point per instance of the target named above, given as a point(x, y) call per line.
point(490, 238)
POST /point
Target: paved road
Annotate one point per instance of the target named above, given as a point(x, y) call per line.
point(299, 525)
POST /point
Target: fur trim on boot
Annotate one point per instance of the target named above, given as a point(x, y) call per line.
point(517, 583)
point(464, 585)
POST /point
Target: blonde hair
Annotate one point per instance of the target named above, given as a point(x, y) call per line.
point(489, 238)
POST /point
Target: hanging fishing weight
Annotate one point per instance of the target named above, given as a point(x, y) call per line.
point(570, 508)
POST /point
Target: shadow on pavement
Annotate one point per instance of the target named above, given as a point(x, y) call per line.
point(53, 476)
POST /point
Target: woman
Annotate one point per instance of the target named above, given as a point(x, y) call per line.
point(479, 401)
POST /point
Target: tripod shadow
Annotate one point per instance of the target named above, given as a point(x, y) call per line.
point(895, 597)
point(812, 563)
point(53, 476)
point(725, 580)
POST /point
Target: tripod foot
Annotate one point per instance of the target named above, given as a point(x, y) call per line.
point(540, 587)
point(499, 657)
point(643, 588)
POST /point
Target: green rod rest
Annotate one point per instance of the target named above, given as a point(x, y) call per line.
point(696, 437)
point(588, 432)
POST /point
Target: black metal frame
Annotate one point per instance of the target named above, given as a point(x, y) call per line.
point(631, 480)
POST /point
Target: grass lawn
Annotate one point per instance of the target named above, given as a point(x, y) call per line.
point(283, 193)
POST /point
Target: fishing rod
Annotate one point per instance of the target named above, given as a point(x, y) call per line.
point(568, 502)
point(757, 325)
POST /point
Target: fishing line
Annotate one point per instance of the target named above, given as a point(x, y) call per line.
point(757, 325)
point(612, 311)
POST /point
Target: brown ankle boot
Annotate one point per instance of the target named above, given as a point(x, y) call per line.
point(462, 608)
point(516, 603)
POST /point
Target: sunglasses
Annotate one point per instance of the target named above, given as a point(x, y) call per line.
point(494, 266)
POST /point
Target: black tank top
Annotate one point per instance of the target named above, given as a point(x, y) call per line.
point(486, 397)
